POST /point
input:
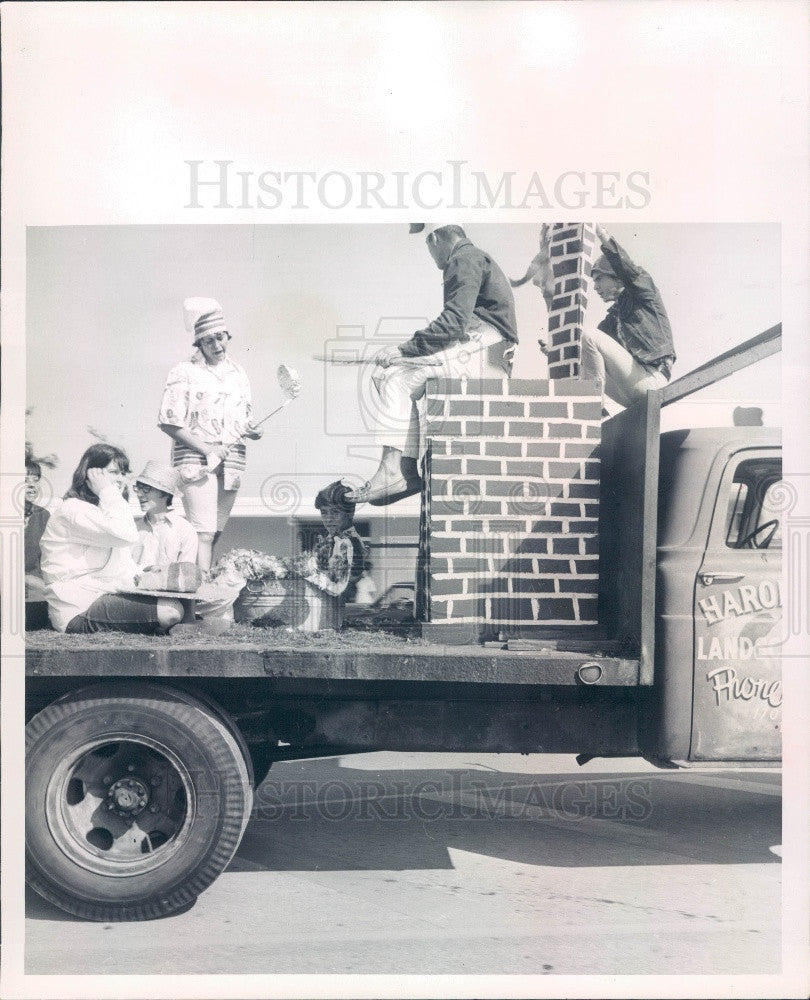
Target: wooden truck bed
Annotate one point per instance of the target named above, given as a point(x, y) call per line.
point(619, 654)
point(342, 656)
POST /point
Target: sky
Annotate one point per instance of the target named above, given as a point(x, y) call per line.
point(104, 325)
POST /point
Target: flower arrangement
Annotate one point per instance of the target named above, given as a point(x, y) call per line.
point(256, 566)
point(327, 568)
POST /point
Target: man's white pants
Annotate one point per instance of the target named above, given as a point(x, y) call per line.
point(623, 378)
point(398, 391)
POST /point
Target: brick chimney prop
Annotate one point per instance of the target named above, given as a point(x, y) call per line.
point(510, 509)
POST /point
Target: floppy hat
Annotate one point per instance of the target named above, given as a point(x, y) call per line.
point(203, 316)
point(161, 477)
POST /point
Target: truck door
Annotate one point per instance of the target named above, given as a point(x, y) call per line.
point(737, 694)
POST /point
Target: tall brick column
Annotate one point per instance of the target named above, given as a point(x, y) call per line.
point(509, 520)
point(571, 249)
point(512, 472)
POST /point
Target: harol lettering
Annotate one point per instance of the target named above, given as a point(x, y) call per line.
point(744, 601)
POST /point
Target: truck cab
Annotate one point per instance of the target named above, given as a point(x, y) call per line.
point(718, 604)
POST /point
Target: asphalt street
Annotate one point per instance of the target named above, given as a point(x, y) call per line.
point(469, 864)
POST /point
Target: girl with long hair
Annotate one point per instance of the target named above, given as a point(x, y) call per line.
point(86, 554)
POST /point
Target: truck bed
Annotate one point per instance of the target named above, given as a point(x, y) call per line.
point(349, 655)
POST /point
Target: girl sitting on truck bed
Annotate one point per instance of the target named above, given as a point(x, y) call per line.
point(86, 555)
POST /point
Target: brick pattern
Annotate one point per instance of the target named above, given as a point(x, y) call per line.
point(513, 498)
point(422, 595)
point(571, 249)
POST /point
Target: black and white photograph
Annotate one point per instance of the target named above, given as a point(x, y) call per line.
point(404, 586)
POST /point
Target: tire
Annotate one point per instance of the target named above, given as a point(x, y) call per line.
point(136, 799)
point(207, 702)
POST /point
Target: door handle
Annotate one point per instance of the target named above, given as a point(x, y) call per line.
point(708, 578)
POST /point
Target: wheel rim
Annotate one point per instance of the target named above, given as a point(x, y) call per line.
point(121, 805)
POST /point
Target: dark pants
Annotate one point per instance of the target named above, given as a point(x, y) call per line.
point(118, 613)
point(36, 615)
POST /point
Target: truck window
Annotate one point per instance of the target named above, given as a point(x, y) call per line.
point(736, 505)
point(753, 519)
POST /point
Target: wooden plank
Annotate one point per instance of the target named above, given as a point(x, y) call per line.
point(443, 664)
point(762, 346)
point(603, 647)
point(628, 513)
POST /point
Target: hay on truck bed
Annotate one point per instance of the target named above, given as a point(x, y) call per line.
point(236, 636)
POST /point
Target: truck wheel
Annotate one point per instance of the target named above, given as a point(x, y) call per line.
point(136, 799)
point(206, 701)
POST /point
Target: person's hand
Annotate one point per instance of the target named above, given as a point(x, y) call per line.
point(218, 451)
point(384, 357)
point(602, 234)
point(97, 479)
point(253, 432)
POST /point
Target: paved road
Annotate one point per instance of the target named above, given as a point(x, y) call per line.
point(470, 863)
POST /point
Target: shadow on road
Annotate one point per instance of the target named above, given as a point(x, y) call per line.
point(396, 820)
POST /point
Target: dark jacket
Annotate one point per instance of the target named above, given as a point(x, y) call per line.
point(37, 521)
point(637, 319)
point(474, 287)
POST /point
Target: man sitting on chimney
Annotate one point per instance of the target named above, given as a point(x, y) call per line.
point(475, 335)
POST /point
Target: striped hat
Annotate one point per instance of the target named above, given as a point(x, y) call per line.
point(203, 316)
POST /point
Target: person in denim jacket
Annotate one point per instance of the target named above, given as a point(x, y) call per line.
point(632, 351)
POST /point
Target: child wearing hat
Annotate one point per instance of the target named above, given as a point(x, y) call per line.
point(166, 539)
point(164, 535)
point(341, 553)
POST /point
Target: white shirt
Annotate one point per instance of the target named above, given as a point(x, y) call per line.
point(169, 539)
point(86, 553)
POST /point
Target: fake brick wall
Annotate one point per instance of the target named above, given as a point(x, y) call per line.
point(512, 503)
point(571, 247)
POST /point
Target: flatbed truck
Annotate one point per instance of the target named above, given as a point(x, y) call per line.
point(142, 754)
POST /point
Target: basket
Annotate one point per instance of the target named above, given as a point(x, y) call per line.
point(292, 603)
